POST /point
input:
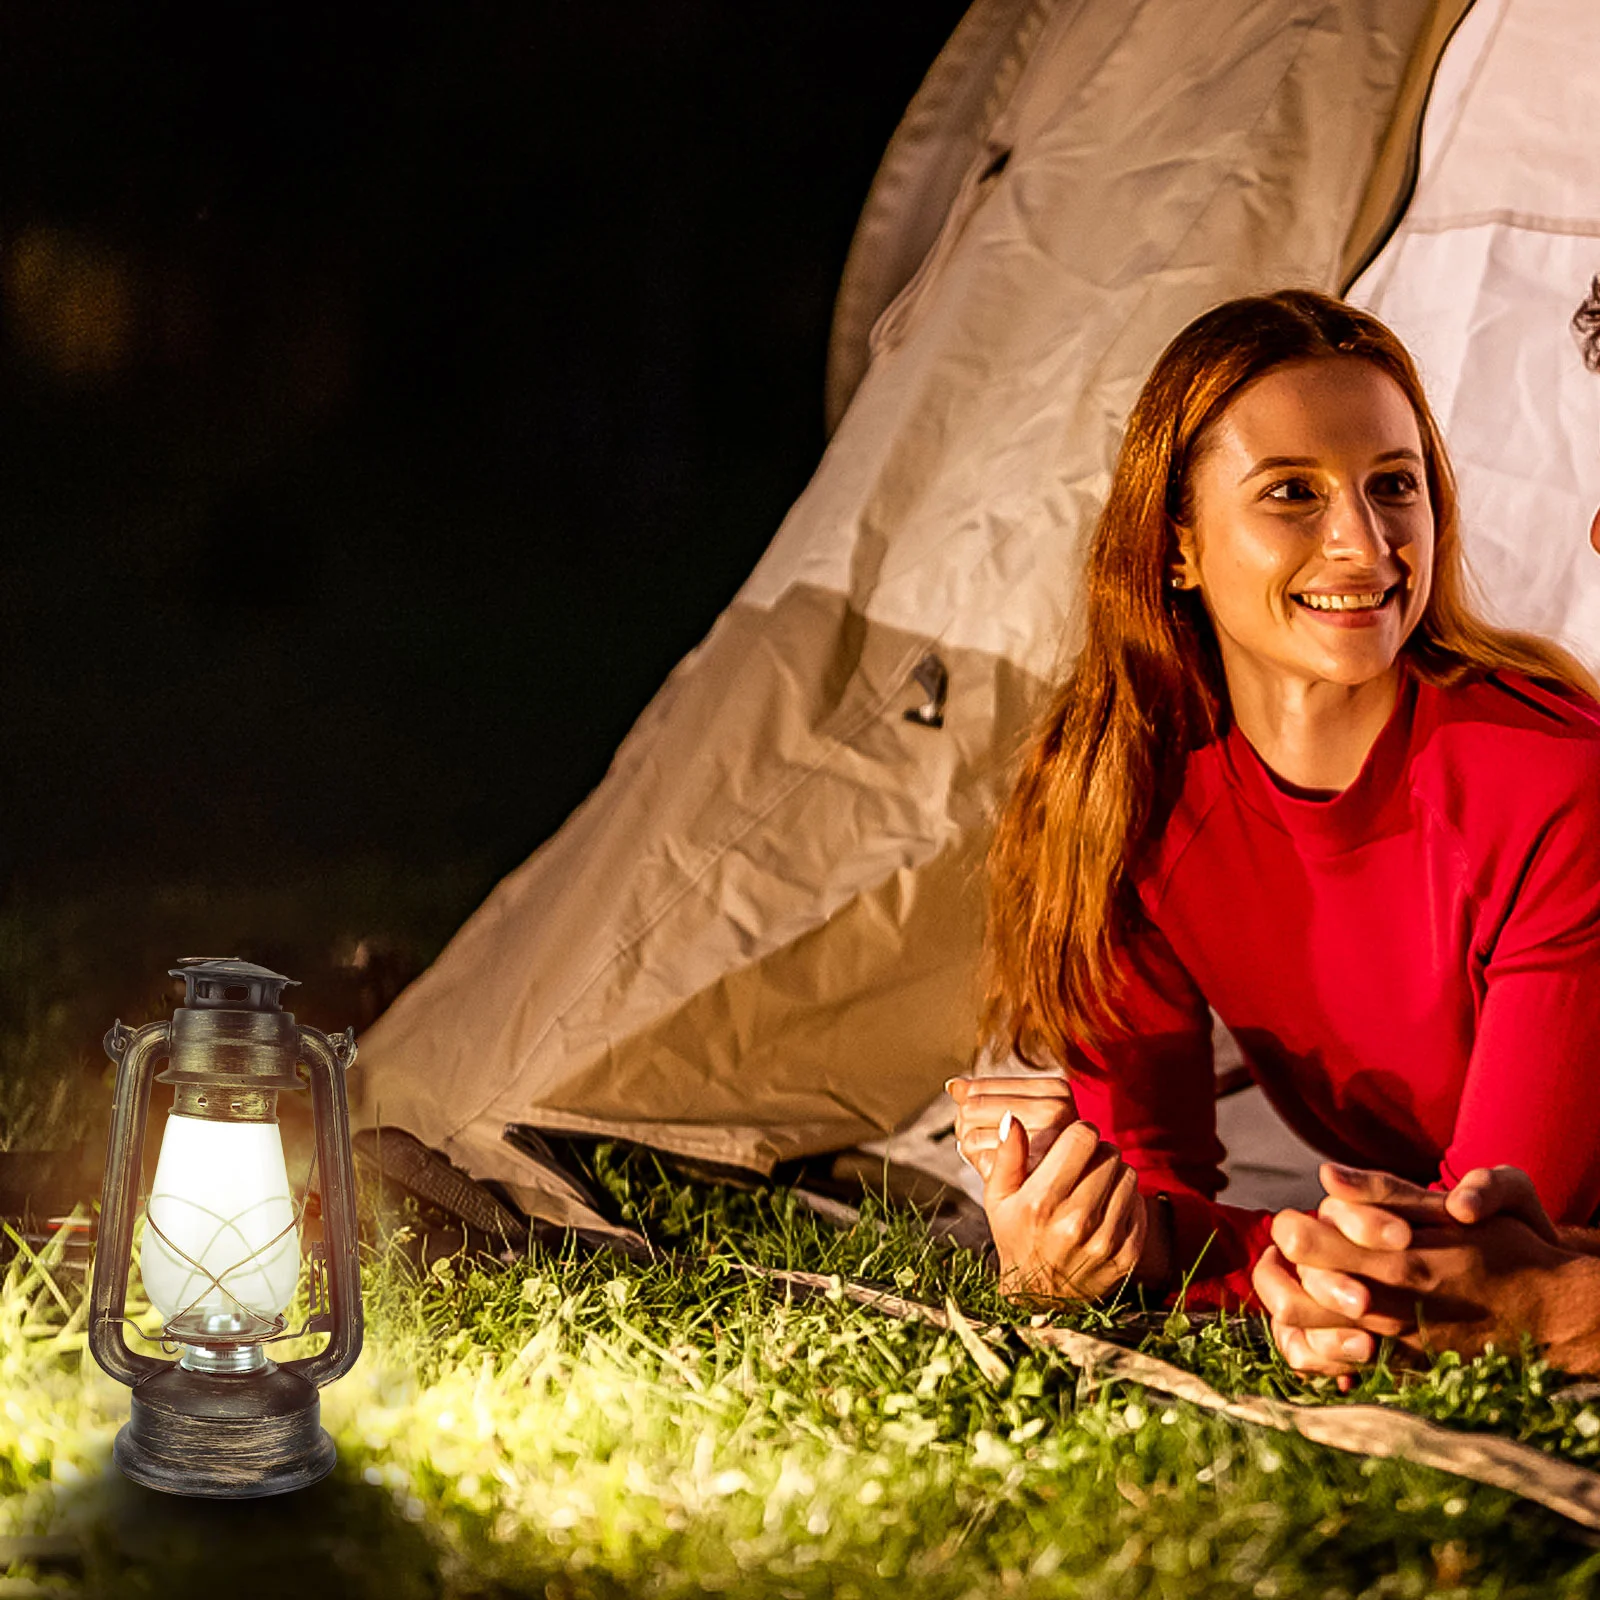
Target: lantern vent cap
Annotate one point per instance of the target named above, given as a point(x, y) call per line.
point(212, 983)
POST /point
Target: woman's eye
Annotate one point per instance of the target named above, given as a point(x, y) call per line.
point(1395, 485)
point(1291, 491)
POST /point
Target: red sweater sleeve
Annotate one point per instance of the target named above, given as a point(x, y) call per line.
point(1153, 1095)
point(1531, 1098)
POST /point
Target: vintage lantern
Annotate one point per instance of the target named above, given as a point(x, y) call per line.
point(221, 1253)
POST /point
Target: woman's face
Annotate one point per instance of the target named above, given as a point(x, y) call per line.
point(1312, 534)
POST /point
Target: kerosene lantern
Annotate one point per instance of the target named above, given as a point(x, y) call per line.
point(221, 1253)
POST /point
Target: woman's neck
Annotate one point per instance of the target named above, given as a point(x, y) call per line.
point(1315, 736)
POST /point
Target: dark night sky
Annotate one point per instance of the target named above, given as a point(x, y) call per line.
point(389, 400)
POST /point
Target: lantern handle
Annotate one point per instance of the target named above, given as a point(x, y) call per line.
point(136, 1052)
point(327, 1060)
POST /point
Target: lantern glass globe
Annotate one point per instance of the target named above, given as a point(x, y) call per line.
point(220, 1209)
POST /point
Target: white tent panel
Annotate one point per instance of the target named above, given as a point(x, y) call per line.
point(1481, 279)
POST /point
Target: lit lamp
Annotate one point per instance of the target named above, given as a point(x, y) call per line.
point(221, 1253)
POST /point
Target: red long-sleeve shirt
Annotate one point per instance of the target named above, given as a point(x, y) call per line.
point(1411, 968)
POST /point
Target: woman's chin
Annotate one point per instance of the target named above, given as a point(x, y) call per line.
point(1352, 672)
point(1351, 655)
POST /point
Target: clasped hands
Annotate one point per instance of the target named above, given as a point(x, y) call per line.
point(1383, 1258)
point(1064, 1208)
point(1380, 1258)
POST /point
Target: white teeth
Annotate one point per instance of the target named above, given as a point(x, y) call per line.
point(1343, 602)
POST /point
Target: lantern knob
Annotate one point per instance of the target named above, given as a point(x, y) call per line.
point(215, 983)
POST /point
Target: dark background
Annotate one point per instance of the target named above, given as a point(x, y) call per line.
point(387, 401)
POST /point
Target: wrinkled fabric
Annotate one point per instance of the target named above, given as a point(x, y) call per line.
point(757, 939)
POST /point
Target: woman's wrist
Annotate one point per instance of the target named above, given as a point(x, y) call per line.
point(1154, 1273)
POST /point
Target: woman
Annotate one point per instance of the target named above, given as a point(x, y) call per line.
point(1294, 777)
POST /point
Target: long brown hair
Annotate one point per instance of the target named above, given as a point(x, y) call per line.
point(1106, 763)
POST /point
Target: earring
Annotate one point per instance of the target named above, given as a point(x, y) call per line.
point(1176, 580)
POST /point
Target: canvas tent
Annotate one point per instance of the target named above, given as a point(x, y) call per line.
point(1494, 253)
point(756, 940)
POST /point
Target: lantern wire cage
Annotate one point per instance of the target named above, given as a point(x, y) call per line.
point(270, 1329)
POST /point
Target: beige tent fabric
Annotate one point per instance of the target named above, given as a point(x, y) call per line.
point(756, 939)
point(936, 146)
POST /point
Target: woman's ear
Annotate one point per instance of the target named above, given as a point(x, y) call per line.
point(1185, 571)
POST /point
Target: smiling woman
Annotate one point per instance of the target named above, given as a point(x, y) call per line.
point(1314, 565)
point(1294, 778)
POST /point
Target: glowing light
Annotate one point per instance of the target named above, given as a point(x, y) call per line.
point(220, 1247)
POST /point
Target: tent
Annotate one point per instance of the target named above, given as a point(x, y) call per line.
point(1481, 278)
point(756, 940)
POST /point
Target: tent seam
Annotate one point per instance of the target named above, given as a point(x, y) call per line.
point(1504, 217)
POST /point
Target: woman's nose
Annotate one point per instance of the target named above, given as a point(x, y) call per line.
point(1354, 530)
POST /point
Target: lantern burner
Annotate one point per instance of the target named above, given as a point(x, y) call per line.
point(224, 1357)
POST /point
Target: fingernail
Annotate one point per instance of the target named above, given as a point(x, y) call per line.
point(1006, 1119)
point(1343, 1174)
point(1348, 1299)
point(1396, 1235)
point(947, 1083)
point(1354, 1344)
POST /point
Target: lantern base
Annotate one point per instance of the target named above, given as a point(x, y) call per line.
point(225, 1436)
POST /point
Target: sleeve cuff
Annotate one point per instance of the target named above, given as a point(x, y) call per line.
point(1215, 1247)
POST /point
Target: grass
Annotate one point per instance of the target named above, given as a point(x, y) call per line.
point(585, 1424)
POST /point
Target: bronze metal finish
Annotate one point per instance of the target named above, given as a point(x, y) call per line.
point(228, 1423)
point(225, 1436)
point(212, 1104)
point(233, 1049)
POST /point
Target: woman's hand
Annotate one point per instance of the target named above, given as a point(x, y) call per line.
point(1313, 1338)
point(1041, 1102)
point(1355, 1198)
point(1434, 1271)
point(1323, 1321)
point(1076, 1226)
point(1385, 1258)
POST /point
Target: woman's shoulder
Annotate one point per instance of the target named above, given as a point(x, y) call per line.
point(1205, 784)
point(1512, 770)
point(1501, 737)
point(1492, 714)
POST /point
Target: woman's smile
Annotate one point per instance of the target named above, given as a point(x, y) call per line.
point(1350, 608)
point(1342, 604)
point(1309, 533)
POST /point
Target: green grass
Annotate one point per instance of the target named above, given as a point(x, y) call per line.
point(591, 1425)
point(582, 1425)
